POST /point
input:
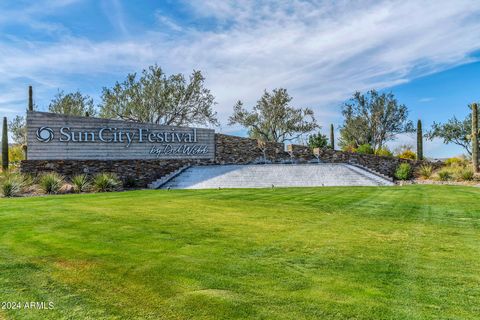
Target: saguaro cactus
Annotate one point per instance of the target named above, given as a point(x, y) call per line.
point(25, 153)
point(332, 137)
point(30, 98)
point(419, 140)
point(5, 144)
point(475, 136)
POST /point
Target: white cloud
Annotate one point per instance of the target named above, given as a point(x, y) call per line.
point(115, 14)
point(321, 51)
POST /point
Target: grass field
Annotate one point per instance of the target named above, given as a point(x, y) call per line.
point(315, 253)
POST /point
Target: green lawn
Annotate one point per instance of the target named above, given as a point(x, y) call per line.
point(314, 253)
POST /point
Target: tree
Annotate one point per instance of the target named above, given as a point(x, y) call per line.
point(317, 140)
point(273, 119)
point(73, 104)
point(18, 128)
point(156, 98)
point(453, 131)
point(373, 119)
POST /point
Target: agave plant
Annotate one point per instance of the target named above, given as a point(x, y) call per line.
point(104, 182)
point(51, 183)
point(444, 174)
point(80, 183)
point(12, 184)
point(425, 171)
point(464, 174)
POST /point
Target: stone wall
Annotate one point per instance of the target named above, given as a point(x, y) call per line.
point(299, 153)
point(142, 172)
point(232, 149)
point(381, 164)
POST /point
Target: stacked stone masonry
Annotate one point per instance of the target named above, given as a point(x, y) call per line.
point(142, 172)
point(233, 150)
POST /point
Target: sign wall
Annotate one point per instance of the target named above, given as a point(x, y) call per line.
point(58, 137)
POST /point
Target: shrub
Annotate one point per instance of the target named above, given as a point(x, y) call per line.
point(455, 162)
point(403, 172)
point(384, 152)
point(80, 183)
point(104, 182)
point(130, 183)
point(29, 183)
point(12, 184)
point(444, 174)
point(349, 148)
point(51, 182)
point(407, 154)
point(464, 174)
point(365, 149)
point(28, 179)
point(15, 154)
point(425, 171)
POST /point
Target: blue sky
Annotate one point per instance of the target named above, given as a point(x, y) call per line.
point(425, 52)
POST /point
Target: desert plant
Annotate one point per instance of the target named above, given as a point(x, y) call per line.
point(15, 154)
point(365, 149)
point(455, 162)
point(349, 148)
point(12, 184)
point(425, 171)
point(5, 145)
point(419, 140)
point(464, 174)
point(51, 183)
point(80, 183)
point(130, 183)
point(30, 98)
point(474, 135)
point(104, 182)
point(444, 174)
point(403, 172)
point(405, 151)
point(384, 151)
point(407, 154)
point(30, 183)
point(332, 137)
